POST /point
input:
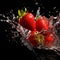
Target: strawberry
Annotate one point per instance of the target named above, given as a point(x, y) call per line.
point(35, 38)
point(32, 38)
point(27, 21)
point(42, 24)
point(49, 39)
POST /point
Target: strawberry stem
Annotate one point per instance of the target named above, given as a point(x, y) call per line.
point(19, 13)
point(22, 13)
point(37, 17)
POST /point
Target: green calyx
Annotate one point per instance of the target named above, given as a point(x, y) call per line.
point(37, 17)
point(21, 13)
point(39, 38)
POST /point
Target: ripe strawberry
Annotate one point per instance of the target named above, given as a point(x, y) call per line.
point(49, 39)
point(42, 24)
point(28, 22)
point(32, 38)
point(35, 38)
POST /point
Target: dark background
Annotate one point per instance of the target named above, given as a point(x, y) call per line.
point(46, 6)
point(7, 5)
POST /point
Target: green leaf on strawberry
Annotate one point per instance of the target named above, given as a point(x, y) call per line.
point(42, 23)
point(27, 20)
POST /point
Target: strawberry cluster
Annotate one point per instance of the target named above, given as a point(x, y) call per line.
point(39, 28)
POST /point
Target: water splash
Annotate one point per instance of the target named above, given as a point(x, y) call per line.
point(54, 27)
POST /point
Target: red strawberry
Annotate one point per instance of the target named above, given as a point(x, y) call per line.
point(49, 39)
point(35, 38)
point(32, 38)
point(42, 23)
point(28, 22)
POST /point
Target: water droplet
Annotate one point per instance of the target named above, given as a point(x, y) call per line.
point(5, 30)
point(36, 3)
point(49, 12)
point(54, 8)
point(32, 10)
point(56, 11)
point(1, 20)
point(55, 17)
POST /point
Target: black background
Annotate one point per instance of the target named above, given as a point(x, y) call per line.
point(46, 5)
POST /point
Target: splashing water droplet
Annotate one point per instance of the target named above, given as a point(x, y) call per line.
point(36, 3)
point(54, 8)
